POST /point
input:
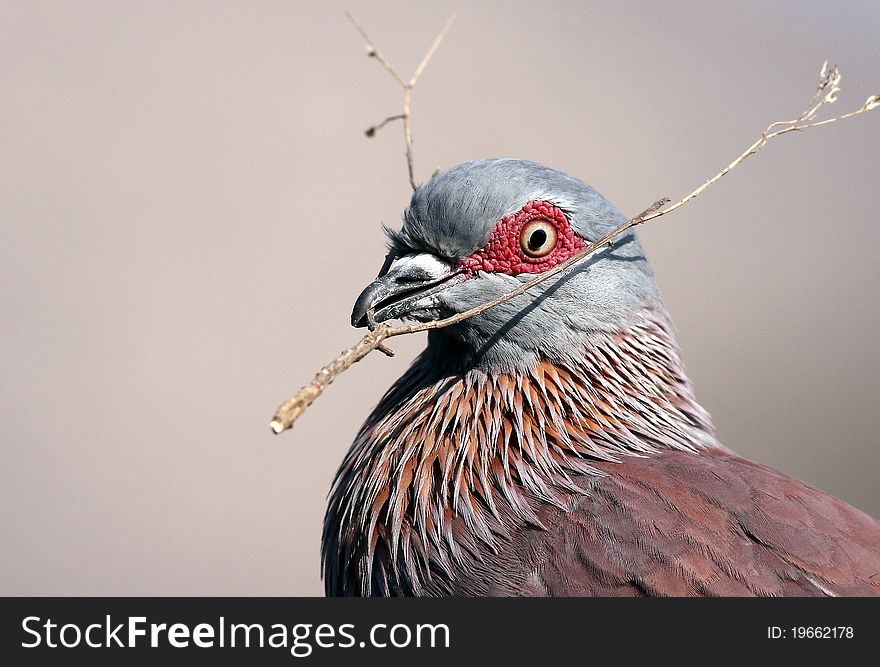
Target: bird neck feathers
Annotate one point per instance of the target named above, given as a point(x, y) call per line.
point(447, 462)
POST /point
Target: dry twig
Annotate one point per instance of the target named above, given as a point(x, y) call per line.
point(407, 86)
point(826, 93)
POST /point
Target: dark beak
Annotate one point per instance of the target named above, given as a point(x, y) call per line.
point(407, 287)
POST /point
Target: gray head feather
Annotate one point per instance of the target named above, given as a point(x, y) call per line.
point(453, 215)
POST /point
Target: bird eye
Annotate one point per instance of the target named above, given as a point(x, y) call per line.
point(538, 238)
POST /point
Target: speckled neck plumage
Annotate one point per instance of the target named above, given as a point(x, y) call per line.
point(448, 464)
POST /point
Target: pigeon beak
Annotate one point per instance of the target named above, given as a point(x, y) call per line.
point(406, 287)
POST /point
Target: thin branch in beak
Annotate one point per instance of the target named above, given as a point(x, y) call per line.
point(826, 94)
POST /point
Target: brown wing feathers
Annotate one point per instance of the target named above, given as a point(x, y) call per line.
point(678, 523)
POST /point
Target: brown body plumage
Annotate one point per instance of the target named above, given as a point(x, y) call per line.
point(604, 479)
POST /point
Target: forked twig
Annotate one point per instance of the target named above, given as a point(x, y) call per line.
point(407, 86)
point(826, 93)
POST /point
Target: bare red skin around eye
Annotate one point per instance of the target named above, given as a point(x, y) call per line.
point(503, 254)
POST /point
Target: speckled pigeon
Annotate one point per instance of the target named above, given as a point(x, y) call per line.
point(552, 446)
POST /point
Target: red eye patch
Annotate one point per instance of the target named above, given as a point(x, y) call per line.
point(506, 250)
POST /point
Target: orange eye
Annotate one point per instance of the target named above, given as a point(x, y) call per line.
point(538, 238)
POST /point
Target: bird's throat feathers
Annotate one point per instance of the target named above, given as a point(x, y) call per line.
point(451, 460)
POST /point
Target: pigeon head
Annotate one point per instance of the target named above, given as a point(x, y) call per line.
point(480, 230)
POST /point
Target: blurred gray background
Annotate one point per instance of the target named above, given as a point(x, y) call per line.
point(188, 208)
